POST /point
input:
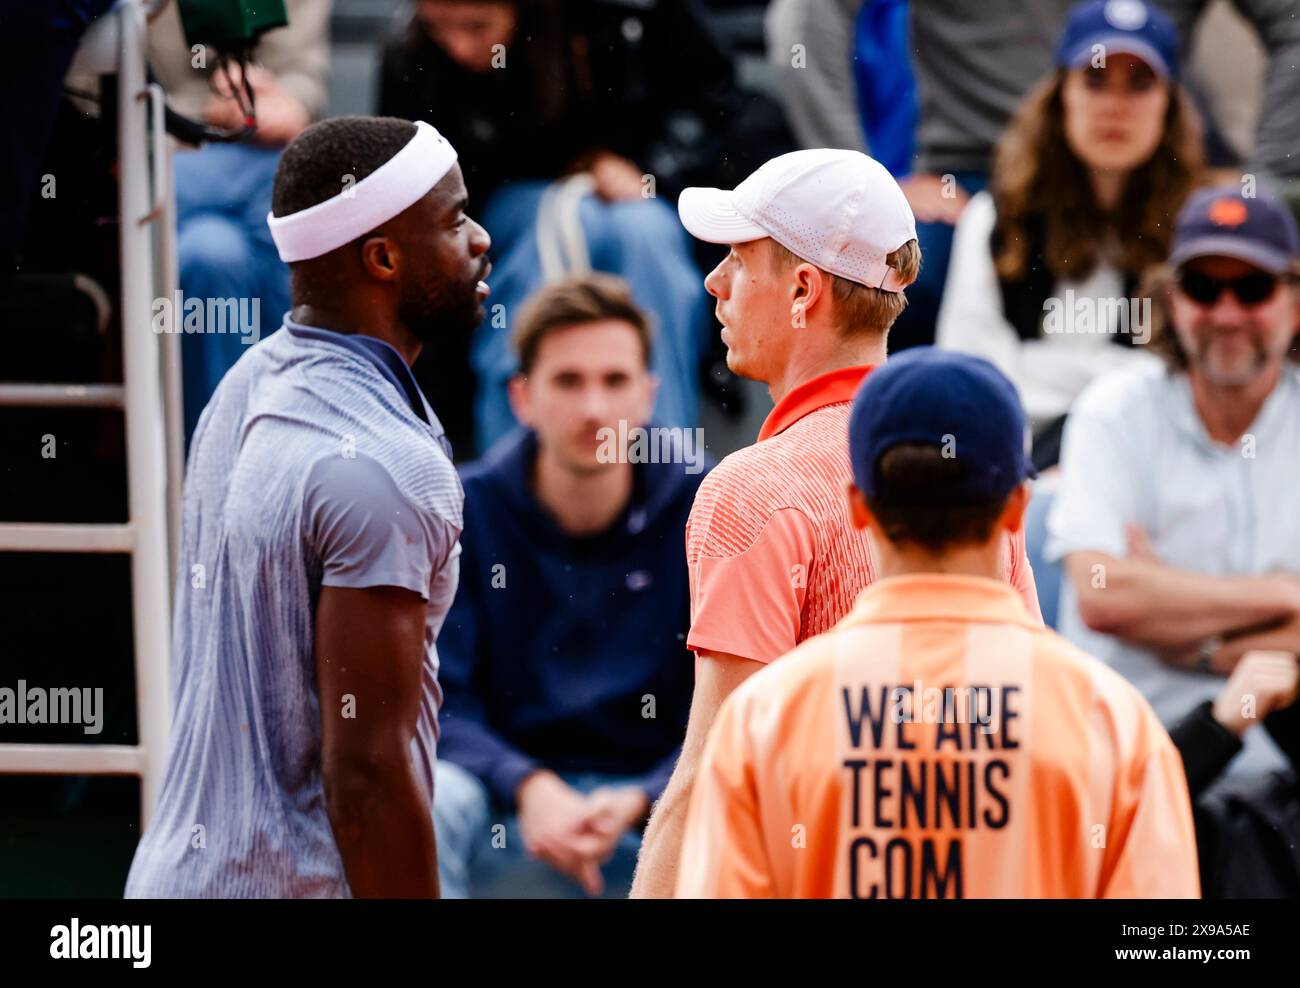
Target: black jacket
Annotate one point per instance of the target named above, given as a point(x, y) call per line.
point(1247, 831)
point(645, 79)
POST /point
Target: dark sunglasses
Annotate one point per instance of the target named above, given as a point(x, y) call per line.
point(1250, 289)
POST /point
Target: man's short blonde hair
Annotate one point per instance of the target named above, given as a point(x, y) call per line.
point(859, 308)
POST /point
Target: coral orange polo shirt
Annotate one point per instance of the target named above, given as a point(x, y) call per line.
point(938, 743)
point(773, 557)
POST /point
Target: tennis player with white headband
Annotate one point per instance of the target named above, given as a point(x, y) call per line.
point(320, 544)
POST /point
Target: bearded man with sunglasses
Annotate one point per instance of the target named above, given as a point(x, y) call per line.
point(1178, 517)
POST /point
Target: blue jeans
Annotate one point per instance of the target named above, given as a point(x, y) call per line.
point(470, 866)
point(223, 193)
point(1047, 575)
point(640, 240)
point(917, 325)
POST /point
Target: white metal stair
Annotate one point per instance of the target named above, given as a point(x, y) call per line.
point(150, 400)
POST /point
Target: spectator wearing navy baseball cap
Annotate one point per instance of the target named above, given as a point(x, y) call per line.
point(1178, 480)
point(1100, 28)
point(1087, 182)
point(1222, 222)
point(1230, 289)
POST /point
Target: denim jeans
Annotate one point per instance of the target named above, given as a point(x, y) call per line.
point(223, 193)
point(917, 325)
point(640, 240)
point(470, 866)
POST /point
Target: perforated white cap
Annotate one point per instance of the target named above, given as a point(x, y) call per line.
point(839, 210)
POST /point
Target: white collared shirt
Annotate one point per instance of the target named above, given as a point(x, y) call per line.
point(1136, 451)
point(1049, 372)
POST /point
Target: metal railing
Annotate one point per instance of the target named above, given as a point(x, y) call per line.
point(149, 399)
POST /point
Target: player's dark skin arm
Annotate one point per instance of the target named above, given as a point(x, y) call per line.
point(370, 644)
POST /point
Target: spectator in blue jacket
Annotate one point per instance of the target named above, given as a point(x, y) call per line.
point(564, 665)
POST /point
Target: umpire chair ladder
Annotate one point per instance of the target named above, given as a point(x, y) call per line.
point(150, 399)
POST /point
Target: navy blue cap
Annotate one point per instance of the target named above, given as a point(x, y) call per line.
point(1221, 222)
point(950, 400)
point(1129, 27)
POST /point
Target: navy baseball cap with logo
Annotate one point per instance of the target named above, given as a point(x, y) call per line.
point(1221, 222)
point(953, 401)
point(1129, 27)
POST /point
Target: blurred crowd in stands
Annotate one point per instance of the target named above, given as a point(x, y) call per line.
point(1160, 378)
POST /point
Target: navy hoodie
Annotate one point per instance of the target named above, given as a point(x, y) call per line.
point(554, 641)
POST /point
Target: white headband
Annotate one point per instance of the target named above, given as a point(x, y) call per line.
point(396, 185)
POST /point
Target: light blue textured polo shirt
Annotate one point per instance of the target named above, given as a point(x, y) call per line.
point(316, 463)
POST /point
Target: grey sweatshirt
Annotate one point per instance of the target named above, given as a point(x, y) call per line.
point(976, 59)
point(817, 86)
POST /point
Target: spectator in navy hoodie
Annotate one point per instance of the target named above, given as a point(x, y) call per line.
point(564, 659)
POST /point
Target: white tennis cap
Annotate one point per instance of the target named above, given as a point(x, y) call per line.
point(839, 210)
